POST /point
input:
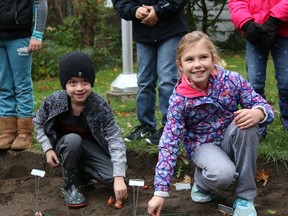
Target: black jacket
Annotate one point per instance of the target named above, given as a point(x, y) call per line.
point(170, 14)
point(16, 18)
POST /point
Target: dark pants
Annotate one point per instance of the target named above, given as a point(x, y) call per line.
point(74, 152)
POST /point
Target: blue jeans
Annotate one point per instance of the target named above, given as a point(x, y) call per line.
point(156, 62)
point(256, 62)
point(16, 91)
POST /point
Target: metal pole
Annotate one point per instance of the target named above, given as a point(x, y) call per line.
point(126, 82)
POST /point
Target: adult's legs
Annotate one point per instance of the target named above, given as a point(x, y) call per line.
point(147, 80)
point(7, 94)
point(20, 64)
point(279, 52)
point(256, 63)
point(167, 72)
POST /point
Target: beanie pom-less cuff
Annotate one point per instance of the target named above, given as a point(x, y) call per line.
point(76, 64)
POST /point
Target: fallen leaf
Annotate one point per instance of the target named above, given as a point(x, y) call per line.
point(145, 187)
point(187, 179)
point(262, 175)
point(271, 212)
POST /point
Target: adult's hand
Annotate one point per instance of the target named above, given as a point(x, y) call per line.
point(253, 32)
point(270, 29)
point(34, 45)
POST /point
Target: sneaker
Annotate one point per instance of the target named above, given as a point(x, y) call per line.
point(244, 207)
point(139, 132)
point(198, 196)
point(284, 123)
point(155, 138)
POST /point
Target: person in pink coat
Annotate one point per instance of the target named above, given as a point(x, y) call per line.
point(265, 28)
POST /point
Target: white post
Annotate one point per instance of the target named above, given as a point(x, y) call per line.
point(126, 82)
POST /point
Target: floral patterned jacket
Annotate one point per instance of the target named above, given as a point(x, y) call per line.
point(203, 119)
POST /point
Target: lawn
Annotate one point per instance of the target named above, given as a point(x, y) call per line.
point(273, 148)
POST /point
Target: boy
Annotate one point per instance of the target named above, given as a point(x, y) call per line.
point(77, 130)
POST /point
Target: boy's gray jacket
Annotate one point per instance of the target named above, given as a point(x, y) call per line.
point(100, 120)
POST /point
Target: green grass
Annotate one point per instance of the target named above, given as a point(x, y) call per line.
point(273, 148)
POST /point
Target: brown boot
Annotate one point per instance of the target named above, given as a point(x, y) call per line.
point(24, 134)
point(8, 131)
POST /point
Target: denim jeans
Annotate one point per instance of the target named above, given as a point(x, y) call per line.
point(156, 62)
point(256, 62)
point(16, 91)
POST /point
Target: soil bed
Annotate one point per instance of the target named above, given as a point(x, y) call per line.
point(17, 190)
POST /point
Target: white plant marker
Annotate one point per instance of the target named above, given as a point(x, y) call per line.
point(136, 183)
point(38, 174)
point(227, 211)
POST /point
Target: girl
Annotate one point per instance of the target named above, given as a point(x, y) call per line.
point(218, 137)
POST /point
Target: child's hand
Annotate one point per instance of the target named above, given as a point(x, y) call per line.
point(120, 188)
point(35, 45)
point(247, 118)
point(141, 13)
point(51, 158)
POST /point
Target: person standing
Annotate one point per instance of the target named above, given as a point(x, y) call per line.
point(265, 27)
point(216, 114)
point(157, 28)
point(19, 38)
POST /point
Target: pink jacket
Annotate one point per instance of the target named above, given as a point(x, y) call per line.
point(242, 11)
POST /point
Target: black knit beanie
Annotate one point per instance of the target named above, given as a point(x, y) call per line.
point(76, 64)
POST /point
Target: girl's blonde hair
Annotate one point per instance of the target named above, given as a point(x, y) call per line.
point(191, 38)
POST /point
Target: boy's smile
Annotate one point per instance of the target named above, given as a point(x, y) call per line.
point(78, 88)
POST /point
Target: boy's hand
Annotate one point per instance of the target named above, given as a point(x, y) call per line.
point(247, 118)
point(120, 188)
point(51, 158)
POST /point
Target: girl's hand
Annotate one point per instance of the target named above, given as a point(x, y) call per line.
point(155, 205)
point(247, 118)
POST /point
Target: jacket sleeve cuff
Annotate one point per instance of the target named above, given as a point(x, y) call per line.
point(264, 111)
point(161, 194)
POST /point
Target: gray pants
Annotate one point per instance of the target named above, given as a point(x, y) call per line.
point(74, 152)
point(218, 165)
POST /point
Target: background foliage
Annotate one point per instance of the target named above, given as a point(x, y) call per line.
point(90, 26)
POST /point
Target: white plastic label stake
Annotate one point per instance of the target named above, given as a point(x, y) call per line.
point(182, 186)
point(225, 209)
point(136, 182)
point(37, 172)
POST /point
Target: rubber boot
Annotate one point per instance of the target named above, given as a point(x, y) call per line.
point(24, 134)
point(8, 131)
point(72, 195)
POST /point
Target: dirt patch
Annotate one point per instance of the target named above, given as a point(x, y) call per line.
point(17, 190)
